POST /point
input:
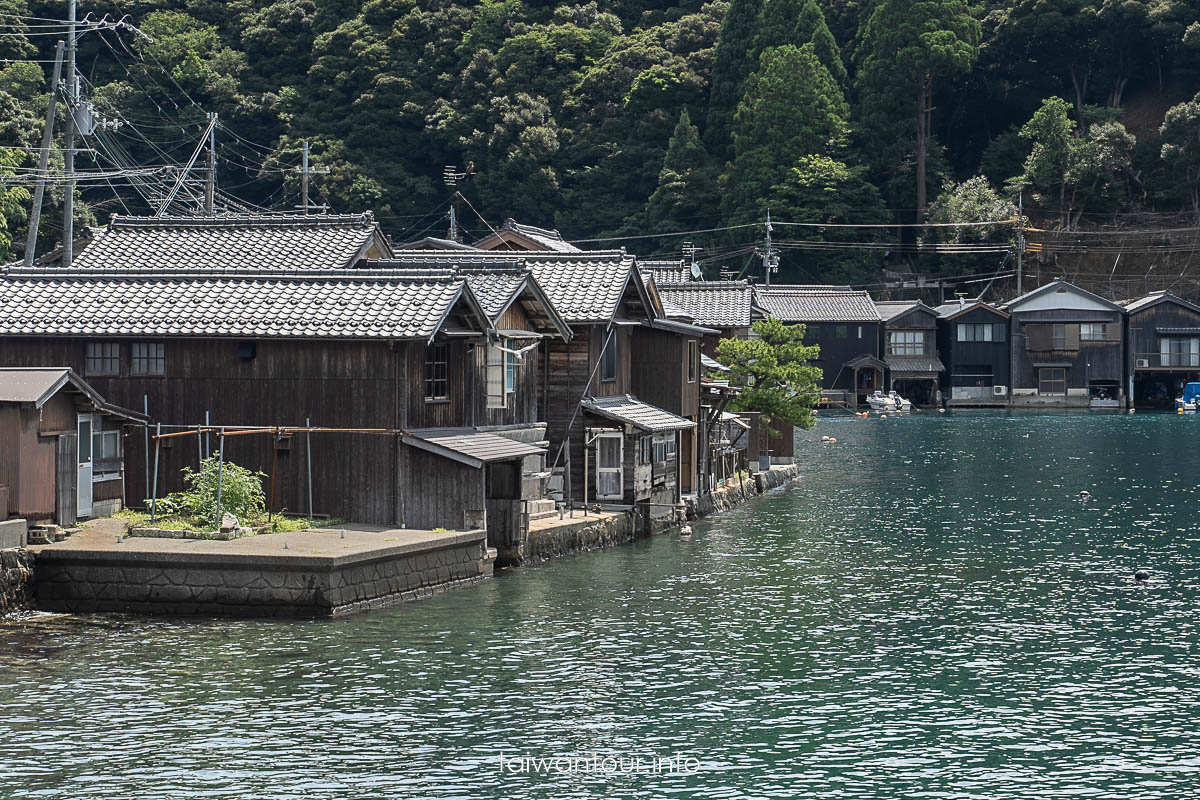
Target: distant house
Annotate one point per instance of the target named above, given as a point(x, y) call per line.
point(1163, 332)
point(1066, 347)
point(910, 350)
point(62, 446)
point(728, 307)
point(314, 333)
point(845, 324)
point(973, 343)
point(512, 235)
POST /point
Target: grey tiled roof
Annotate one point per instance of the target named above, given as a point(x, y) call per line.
point(494, 290)
point(626, 409)
point(914, 364)
point(721, 304)
point(261, 304)
point(266, 242)
point(666, 272)
point(818, 304)
point(545, 238)
point(584, 287)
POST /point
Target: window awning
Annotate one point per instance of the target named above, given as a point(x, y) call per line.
point(631, 411)
point(469, 446)
point(1178, 331)
point(925, 366)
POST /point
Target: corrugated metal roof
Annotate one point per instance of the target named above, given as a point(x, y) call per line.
point(31, 385)
point(347, 305)
point(914, 364)
point(261, 242)
point(818, 304)
point(891, 309)
point(1154, 298)
point(948, 310)
point(631, 411)
point(469, 446)
point(718, 304)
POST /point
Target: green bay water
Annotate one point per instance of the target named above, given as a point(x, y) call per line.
point(931, 612)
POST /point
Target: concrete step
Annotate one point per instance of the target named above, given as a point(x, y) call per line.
point(542, 509)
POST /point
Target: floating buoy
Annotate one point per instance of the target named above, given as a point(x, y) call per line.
point(824, 438)
point(941, 411)
point(685, 531)
point(833, 440)
point(883, 416)
point(1179, 411)
point(1142, 575)
point(1133, 411)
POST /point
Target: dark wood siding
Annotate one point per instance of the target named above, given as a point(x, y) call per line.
point(993, 355)
point(521, 406)
point(660, 371)
point(1144, 326)
point(862, 338)
point(1090, 361)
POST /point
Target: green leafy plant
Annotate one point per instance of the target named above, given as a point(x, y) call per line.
point(241, 494)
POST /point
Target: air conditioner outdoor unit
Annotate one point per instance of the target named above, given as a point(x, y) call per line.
point(1143, 363)
point(999, 391)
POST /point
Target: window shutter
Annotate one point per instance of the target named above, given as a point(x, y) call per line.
point(999, 332)
point(1112, 331)
point(1038, 337)
point(495, 377)
point(1072, 337)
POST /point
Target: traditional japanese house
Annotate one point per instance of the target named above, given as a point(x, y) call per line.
point(910, 350)
point(730, 308)
point(607, 445)
point(313, 334)
point(1066, 347)
point(1163, 332)
point(512, 235)
point(845, 324)
point(972, 339)
point(62, 446)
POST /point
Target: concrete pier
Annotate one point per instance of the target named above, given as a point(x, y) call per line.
point(313, 573)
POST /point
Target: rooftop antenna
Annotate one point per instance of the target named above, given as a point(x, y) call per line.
point(689, 252)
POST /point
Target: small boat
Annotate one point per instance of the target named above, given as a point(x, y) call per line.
point(878, 401)
point(1190, 399)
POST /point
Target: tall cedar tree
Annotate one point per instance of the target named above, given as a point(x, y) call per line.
point(773, 370)
point(792, 108)
point(906, 46)
point(732, 64)
point(687, 184)
point(799, 22)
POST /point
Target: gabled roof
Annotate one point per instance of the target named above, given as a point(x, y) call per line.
point(497, 291)
point(1055, 286)
point(952, 310)
point(629, 410)
point(893, 309)
point(253, 304)
point(1154, 298)
point(667, 272)
point(512, 235)
point(36, 385)
point(716, 304)
point(817, 304)
point(281, 243)
point(432, 243)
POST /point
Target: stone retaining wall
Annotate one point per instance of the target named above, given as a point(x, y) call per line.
point(580, 536)
point(735, 493)
point(258, 586)
point(16, 579)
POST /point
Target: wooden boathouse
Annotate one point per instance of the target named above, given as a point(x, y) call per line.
point(972, 339)
point(1163, 351)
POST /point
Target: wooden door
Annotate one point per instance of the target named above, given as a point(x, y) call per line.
point(66, 473)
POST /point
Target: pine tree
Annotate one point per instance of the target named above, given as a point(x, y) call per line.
point(906, 46)
point(799, 22)
point(732, 64)
point(792, 107)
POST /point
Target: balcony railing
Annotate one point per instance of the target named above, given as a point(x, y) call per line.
point(1145, 360)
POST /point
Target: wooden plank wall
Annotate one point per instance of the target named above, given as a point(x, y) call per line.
point(336, 384)
point(569, 365)
point(861, 338)
point(1143, 328)
point(659, 371)
point(1093, 360)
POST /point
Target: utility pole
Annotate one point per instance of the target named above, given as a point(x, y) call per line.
point(305, 173)
point(210, 183)
point(1020, 238)
point(770, 258)
point(35, 214)
point(69, 154)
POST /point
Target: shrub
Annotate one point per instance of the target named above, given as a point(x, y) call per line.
point(241, 493)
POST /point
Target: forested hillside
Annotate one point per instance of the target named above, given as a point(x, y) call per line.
point(632, 117)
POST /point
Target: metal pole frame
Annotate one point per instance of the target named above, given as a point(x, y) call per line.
point(35, 213)
point(154, 493)
point(308, 463)
point(220, 471)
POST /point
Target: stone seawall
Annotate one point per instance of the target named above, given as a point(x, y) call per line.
point(734, 492)
point(255, 585)
point(578, 535)
point(16, 579)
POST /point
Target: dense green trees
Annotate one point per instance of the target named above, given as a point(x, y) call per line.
point(619, 117)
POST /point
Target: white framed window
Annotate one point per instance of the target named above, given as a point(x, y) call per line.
point(906, 343)
point(106, 444)
point(103, 358)
point(1092, 332)
point(147, 358)
point(975, 332)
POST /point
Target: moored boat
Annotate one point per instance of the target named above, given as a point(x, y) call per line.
point(891, 401)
